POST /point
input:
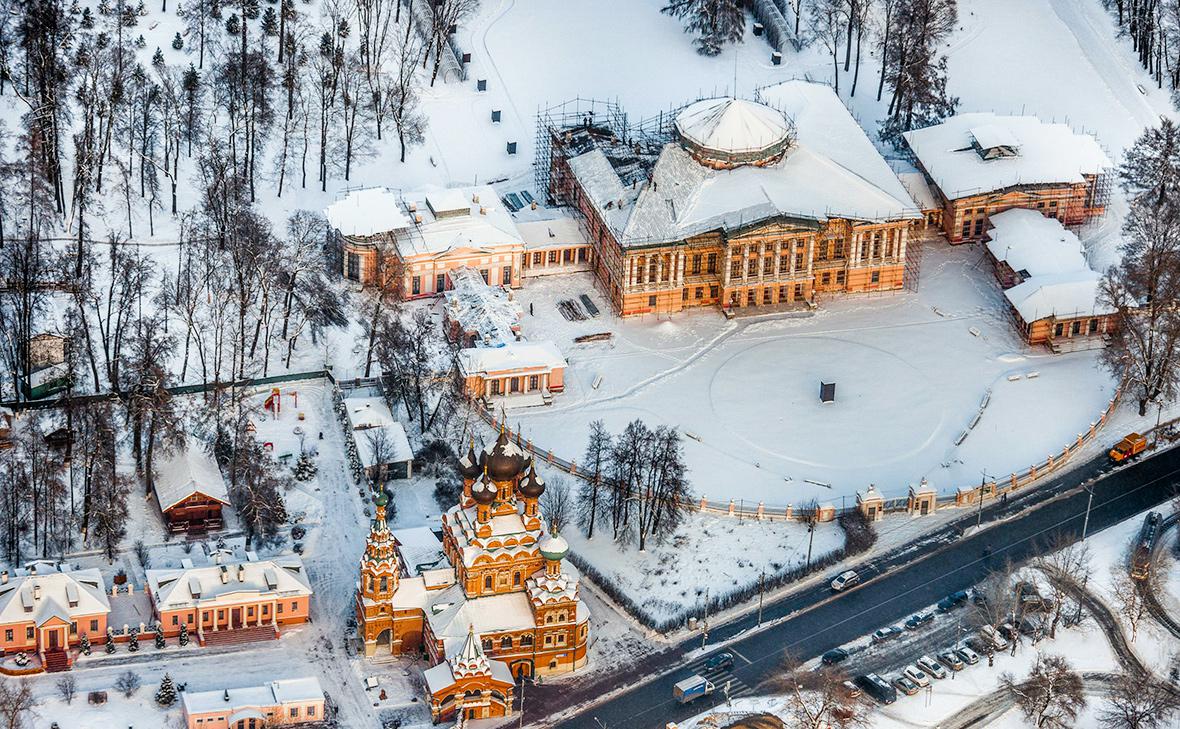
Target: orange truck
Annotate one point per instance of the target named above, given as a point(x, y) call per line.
point(1129, 447)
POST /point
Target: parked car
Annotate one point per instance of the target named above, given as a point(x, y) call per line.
point(906, 685)
point(885, 634)
point(721, 660)
point(917, 675)
point(1008, 630)
point(844, 580)
point(918, 620)
point(969, 656)
point(1032, 626)
point(932, 667)
point(951, 660)
point(877, 687)
point(1029, 596)
point(952, 601)
point(833, 656)
point(851, 690)
point(992, 637)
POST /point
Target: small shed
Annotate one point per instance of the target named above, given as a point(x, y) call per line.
point(381, 442)
point(190, 490)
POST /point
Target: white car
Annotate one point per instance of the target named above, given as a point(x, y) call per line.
point(917, 675)
point(969, 656)
point(932, 667)
point(844, 580)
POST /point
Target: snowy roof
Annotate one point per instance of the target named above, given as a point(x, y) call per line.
point(916, 185)
point(186, 587)
point(364, 213)
point(468, 217)
point(54, 591)
point(189, 470)
point(490, 312)
point(46, 375)
point(369, 414)
point(562, 231)
point(419, 548)
point(274, 693)
point(732, 125)
point(831, 171)
point(512, 356)
point(452, 615)
point(439, 677)
point(1031, 242)
point(1062, 295)
point(1048, 153)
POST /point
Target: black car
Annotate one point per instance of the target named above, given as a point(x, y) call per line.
point(952, 601)
point(918, 620)
point(721, 660)
point(834, 656)
point(877, 687)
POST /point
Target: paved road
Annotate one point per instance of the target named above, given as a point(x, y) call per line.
point(820, 621)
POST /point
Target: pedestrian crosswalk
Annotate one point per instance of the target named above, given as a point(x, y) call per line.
point(722, 677)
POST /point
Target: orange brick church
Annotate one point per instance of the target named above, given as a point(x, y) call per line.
point(504, 607)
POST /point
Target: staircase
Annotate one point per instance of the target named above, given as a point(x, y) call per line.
point(238, 636)
point(55, 661)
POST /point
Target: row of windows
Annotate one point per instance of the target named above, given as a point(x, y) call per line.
point(568, 255)
point(514, 385)
point(293, 712)
point(440, 281)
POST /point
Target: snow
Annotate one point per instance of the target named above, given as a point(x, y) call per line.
point(187, 471)
point(509, 357)
point(732, 125)
point(490, 312)
point(365, 213)
point(470, 217)
point(910, 373)
point(53, 591)
point(559, 231)
point(1029, 241)
point(370, 414)
point(274, 693)
point(1066, 295)
point(1048, 153)
point(282, 576)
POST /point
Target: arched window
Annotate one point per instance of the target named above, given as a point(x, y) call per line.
point(506, 642)
point(526, 640)
point(561, 617)
point(549, 618)
point(516, 579)
point(487, 644)
point(384, 584)
point(487, 582)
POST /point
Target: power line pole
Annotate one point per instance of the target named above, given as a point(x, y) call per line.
point(761, 580)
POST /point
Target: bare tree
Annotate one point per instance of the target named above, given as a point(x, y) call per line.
point(827, 27)
point(809, 515)
point(1066, 561)
point(817, 699)
point(128, 683)
point(256, 492)
point(1052, 696)
point(67, 687)
point(110, 511)
point(1134, 703)
point(445, 17)
point(555, 503)
point(16, 702)
point(591, 500)
point(381, 452)
point(400, 95)
point(1129, 602)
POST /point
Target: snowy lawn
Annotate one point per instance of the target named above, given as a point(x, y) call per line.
point(909, 371)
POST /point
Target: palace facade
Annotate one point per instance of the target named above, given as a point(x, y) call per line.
point(739, 204)
point(504, 606)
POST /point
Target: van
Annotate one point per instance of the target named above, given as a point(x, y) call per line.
point(877, 687)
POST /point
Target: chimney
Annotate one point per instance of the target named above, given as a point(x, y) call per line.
point(4, 577)
point(36, 592)
point(224, 575)
point(413, 207)
point(241, 573)
point(225, 695)
point(418, 218)
point(475, 198)
point(483, 210)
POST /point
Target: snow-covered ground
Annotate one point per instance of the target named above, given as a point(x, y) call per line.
point(911, 370)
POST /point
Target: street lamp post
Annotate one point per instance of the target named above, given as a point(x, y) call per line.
point(1089, 502)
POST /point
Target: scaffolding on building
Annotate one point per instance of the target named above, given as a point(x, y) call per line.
point(591, 118)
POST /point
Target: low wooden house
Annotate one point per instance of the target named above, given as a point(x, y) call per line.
point(190, 491)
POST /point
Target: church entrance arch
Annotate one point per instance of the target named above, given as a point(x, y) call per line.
point(385, 638)
point(522, 669)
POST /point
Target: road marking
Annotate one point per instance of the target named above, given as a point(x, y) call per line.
point(739, 655)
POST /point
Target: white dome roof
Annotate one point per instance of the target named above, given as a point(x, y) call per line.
point(553, 547)
point(732, 126)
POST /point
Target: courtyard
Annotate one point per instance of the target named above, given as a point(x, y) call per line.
point(912, 370)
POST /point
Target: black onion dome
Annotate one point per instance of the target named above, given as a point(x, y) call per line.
point(532, 486)
point(469, 466)
point(504, 459)
point(483, 492)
